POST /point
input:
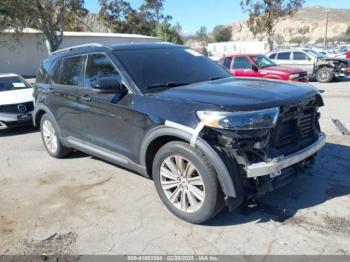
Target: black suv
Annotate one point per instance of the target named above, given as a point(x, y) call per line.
point(165, 111)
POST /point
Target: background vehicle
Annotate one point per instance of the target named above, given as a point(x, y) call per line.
point(16, 101)
point(205, 138)
point(261, 66)
point(324, 69)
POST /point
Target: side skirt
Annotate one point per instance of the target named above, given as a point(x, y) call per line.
point(104, 154)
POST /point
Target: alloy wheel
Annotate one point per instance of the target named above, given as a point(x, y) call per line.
point(50, 137)
point(182, 183)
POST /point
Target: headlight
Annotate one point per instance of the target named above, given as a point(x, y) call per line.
point(293, 76)
point(241, 120)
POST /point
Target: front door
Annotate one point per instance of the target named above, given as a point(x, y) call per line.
point(243, 67)
point(107, 119)
point(303, 61)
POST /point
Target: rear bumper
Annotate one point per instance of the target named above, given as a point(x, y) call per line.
point(275, 166)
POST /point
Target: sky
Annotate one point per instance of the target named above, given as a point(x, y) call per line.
point(192, 14)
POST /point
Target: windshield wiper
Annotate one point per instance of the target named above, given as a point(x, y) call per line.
point(168, 84)
point(216, 78)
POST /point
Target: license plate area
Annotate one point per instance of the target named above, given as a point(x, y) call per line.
point(24, 117)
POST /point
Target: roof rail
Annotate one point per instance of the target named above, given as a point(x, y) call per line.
point(75, 47)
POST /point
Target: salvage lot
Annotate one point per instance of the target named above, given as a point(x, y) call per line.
point(82, 205)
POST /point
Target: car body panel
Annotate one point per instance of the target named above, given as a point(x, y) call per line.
point(16, 96)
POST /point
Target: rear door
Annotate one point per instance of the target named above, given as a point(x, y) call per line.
point(283, 58)
point(303, 61)
point(63, 94)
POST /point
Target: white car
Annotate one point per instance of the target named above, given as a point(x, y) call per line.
point(16, 101)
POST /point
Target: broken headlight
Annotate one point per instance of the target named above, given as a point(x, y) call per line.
point(241, 120)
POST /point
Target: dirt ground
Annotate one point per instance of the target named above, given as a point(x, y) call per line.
point(82, 205)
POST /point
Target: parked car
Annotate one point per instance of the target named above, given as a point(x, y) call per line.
point(323, 69)
point(16, 101)
point(260, 66)
point(348, 54)
point(171, 114)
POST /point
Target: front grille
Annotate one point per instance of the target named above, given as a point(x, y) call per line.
point(296, 123)
point(17, 108)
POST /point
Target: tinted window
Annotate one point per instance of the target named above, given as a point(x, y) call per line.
point(242, 63)
point(70, 71)
point(43, 73)
point(159, 66)
point(272, 56)
point(12, 83)
point(99, 66)
point(227, 62)
point(283, 56)
point(299, 56)
point(55, 73)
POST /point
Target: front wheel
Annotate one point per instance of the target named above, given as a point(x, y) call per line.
point(324, 75)
point(186, 182)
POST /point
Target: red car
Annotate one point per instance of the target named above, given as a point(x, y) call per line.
point(262, 67)
point(348, 54)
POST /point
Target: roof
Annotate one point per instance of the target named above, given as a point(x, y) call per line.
point(7, 75)
point(99, 47)
point(83, 34)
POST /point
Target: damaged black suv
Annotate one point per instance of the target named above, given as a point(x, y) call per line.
point(207, 139)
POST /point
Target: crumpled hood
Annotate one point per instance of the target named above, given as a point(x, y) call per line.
point(16, 96)
point(242, 93)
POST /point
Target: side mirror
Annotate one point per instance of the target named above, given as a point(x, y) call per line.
point(308, 58)
point(255, 68)
point(108, 85)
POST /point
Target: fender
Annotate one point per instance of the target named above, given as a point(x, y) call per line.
point(44, 108)
point(186, 134)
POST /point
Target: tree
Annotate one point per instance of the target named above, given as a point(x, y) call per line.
point(347, 32)
point(202, 35)
point(222, 33)
point(51, 17)
point(265, 14)
point(169, 33)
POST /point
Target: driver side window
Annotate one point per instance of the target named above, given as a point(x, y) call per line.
point(241, 63)
point(99, 66)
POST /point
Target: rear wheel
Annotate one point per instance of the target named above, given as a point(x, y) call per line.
point(186, 182)
point(324, 75)
point(51, 139)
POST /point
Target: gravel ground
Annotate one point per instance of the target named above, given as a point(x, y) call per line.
point(82, 205)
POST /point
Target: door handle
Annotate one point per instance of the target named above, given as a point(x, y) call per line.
point(86, 98)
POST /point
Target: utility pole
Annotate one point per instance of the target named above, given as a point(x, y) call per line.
point(326, 32)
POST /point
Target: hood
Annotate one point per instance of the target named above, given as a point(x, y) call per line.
point(335, 59)
point(242, 93)
point(283, 69)
point(16, 96)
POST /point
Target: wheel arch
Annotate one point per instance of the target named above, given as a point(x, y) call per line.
point(38, 113)
point(159, 136)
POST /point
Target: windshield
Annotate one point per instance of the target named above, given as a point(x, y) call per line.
point(262, 61)
point(12, 83)
point(160, 68)
point(314, 53)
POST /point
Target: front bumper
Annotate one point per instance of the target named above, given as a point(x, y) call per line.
point(8, 120)
point(275, 166)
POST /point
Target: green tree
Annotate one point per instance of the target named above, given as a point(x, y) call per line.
point(222, 33)
point(347, 32)
point(265, 14)
point(169, 33)
point(51, 17)
point(202, 35)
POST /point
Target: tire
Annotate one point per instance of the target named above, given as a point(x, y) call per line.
point(200, 190)
point(324, 75)
point(50, 138)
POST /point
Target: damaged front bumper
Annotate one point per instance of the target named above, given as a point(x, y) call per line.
point(274, 167)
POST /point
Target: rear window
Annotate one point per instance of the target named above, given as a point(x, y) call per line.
point(283, 56)
point(68, 71)
point(12, 83)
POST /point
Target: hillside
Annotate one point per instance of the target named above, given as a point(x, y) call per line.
point(309, 23)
